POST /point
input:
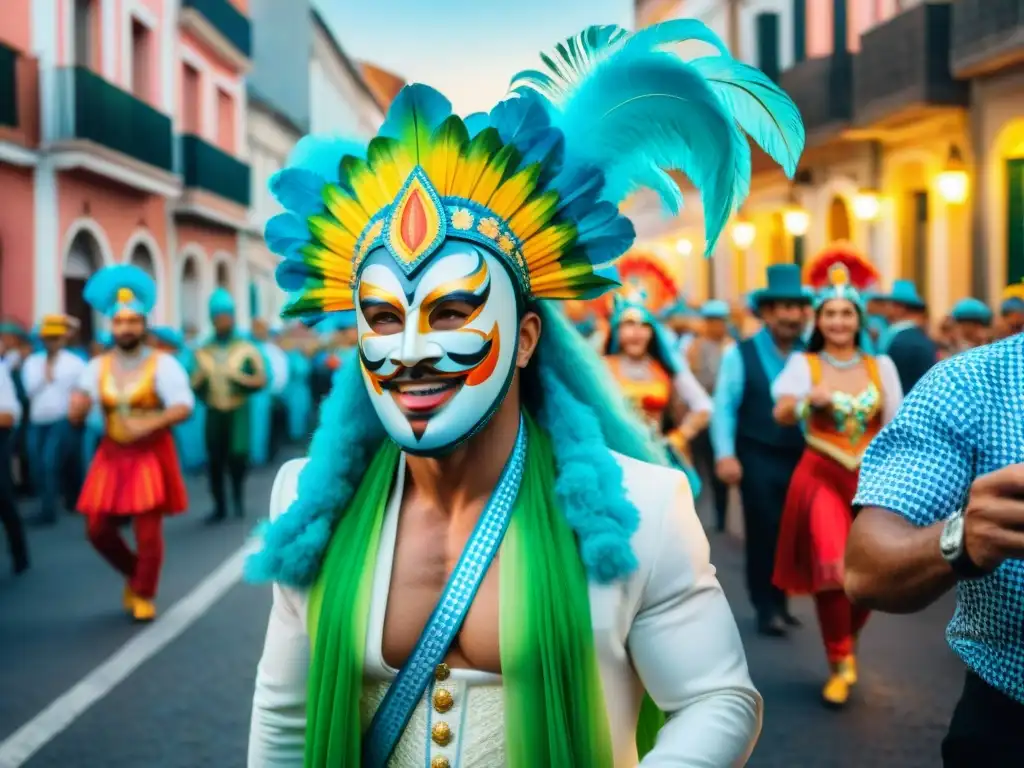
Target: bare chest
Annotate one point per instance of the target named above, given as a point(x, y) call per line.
point(428, 546)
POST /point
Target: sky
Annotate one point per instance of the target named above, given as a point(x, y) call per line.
point(467, 49)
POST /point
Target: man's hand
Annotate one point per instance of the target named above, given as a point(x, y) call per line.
point(994, 518)
point(729, 470)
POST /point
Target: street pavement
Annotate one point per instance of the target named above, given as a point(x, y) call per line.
point(188, 705)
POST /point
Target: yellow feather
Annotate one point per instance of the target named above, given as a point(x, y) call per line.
point(529, 219)
point(368, 190)
point(548, 245)
point(493, 174)
point(329, 232)
point(390, 164)
point(474, 162)
point(347, 210)
point(513, 192)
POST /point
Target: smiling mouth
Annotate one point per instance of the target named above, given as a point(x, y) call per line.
point(419, 400)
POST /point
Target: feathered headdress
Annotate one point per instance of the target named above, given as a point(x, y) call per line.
point(647, 280)
point(539, 179)
point(840, 271)
point(121, 288)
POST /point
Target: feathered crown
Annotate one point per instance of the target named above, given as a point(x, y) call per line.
point(539, 179)
point(840, 271)
point(121, 287)
point(646, 280)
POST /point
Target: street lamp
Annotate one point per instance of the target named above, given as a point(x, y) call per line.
point(743, 234)
point(684, 246)
point(953, 182)
point(796, 220)
point(866, 205)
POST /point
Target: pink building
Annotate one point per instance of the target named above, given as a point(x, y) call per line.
point(123, 142)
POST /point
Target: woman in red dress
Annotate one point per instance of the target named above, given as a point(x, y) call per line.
point(842, 397)
point(135, 471)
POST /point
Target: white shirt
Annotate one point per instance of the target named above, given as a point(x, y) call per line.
point(170, 378)
point(278, 359)
point(49, 400)
point(8, 394)
point(12, 357)
point(668, 624)
point(691, 392)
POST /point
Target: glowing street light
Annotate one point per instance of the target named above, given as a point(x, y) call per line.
point(743, 234)
point(684, 246)
point(796, 220)
point(953, 182)
point(866, 205)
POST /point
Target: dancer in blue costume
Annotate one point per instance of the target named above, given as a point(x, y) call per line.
point(472, 417)
point(298, 394)
point(96, 421)
point(261, 403)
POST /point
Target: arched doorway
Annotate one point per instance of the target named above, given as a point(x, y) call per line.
point(82, 261)
point(143, 259)
point(838, 220)
point(223, 276)
point(190, 296)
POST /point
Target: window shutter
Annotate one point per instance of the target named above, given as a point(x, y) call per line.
point(768, 44)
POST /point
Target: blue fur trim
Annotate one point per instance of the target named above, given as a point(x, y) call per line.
point(294, 544)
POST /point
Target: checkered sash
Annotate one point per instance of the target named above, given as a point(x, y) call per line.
point(445, 622)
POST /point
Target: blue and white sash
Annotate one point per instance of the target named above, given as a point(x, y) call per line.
point(444, 623)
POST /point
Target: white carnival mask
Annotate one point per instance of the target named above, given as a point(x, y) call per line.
point(437, 350)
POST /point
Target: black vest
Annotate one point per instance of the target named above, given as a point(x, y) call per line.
point(755, 426)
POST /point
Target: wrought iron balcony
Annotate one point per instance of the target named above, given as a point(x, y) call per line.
point(210, 169)
point(822, 90)
point(987, 35)
point(904, 66)
point(228, 22)
point(94, 110)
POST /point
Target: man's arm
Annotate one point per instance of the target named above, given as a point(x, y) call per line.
point(915, 474)
point(686, 649)
point(85, 393)
point(726, 403)
point(174, 390)
point(32, 379)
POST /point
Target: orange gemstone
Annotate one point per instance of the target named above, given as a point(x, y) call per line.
point(414, 221)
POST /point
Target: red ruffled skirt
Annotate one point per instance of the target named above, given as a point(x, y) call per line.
point(815, 525)
point(134, 479)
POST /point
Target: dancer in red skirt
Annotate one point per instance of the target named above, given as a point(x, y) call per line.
point(135, 471)
point(842, 397)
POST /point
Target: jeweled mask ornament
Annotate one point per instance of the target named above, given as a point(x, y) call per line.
point(438, 349)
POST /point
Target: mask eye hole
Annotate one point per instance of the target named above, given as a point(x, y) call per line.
point(451, 315)
point(384, 320)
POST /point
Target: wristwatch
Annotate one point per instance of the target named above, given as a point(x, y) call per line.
point(951, 544)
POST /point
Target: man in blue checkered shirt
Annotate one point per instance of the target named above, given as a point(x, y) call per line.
point(941, 502)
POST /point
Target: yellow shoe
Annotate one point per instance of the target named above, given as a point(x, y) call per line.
point(848, 669)
point(144, 610)
point(129, 599)
point(836, 691)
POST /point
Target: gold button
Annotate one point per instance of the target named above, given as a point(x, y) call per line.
point(442, 671)
point(443, 700)
point(441, 733)
point(440, 762)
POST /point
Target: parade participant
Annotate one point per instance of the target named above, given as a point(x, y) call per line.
point(905, 341)
point(16, 343)
point(12, 343)
point(10, 415)
point(875, 319)
point(842, 396)
point(299, 392)
point(1011, 313)
point(279, 370)
point(476, 408)
point(704, 356)
point(49, 377)
point(942, 506)
point(96, 420)
point(751, 449)
point(653, 376)
point(188, 434)
point(134, 474)
point(228, 370)
point(973, 324)
point(261, 402)
point(679, 318)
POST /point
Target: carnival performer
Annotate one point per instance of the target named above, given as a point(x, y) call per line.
point(261, 401)
point(10, 415)
point(906, 341)
point(972, 324)
point(643, 357)
point(96, 419)
point(751, 449)
point(477, 418)
point(842, 397)
point(135, 472)
point(228, 369)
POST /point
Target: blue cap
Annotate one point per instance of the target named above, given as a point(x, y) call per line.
point(971, 311)
point(715, 309)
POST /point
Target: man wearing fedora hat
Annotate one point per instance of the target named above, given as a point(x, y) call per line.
point(751, 449)
point(905, 341)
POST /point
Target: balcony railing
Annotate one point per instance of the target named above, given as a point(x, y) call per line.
point(822, 90)
point(904, 64)
point(231, 23)
point(92, 109)
point(207, 168)
point(987, 35)
point(19, 98)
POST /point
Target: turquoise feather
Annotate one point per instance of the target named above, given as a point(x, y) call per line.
point(286, 233)
point(761, 108)
point(322, 155)
point(299, 190)
point(416, 111)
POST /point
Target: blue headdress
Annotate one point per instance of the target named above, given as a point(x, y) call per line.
point(121, 288)
point(221, 303)
point(538, 182)
point(169, 336)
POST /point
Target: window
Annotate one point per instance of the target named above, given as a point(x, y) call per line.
point(225, 121)
point(799, 30)
point(86, 29)
point(142, 57)
point(768, 44)
point(190, 104)
point(1014, 221)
